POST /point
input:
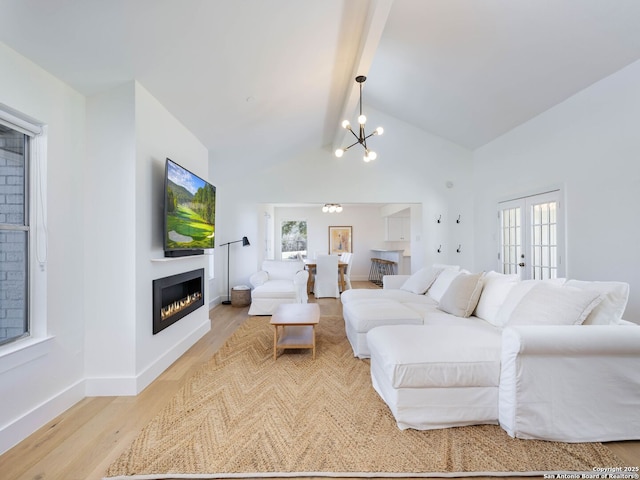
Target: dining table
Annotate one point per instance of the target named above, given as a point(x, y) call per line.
point(310, 266)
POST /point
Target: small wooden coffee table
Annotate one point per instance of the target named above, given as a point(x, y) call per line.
point(298, 322)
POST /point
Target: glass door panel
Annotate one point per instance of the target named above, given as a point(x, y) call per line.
point(530, 237)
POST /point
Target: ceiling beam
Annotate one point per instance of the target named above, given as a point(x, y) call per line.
point(372, 33)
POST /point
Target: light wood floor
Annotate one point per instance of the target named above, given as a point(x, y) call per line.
point(82, 442)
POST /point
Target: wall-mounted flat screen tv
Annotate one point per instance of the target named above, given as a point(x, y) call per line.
point(189, 212)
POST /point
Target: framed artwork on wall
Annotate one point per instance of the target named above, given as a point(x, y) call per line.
point(340, 240)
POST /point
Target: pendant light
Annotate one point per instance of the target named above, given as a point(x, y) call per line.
point(361, 138)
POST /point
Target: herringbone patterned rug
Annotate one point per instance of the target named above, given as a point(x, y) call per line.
point(244, 414)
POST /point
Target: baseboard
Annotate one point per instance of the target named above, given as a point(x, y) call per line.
point(215, 301)
point(111, 386)
point(133, 385)
point(21, 428)
point(359, 278)
point(154, 370)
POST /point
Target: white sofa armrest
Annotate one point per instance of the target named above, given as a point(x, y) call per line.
point(394, 281)
point(258, 278)
point(570, 383)
point(301, 277)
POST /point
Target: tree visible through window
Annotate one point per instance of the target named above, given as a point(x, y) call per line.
point(294, 239)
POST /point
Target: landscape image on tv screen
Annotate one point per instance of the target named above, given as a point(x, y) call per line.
point(190, 210)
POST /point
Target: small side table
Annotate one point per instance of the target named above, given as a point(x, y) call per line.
point(298, 324)
point(240, 297)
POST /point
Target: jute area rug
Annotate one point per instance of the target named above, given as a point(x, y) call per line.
point(245, 415)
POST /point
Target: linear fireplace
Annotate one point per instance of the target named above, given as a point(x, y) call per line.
point(176, 296)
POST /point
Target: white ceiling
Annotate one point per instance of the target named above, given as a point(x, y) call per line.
point(258, 80)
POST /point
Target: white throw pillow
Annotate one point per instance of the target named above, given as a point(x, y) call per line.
point(441, 283)
point(614, 300)
point(517, 292)
point(547, 304)
point(462, 296)
point(420, 281)
point(495, 288)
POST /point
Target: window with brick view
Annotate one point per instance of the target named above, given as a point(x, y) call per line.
point(14, 235)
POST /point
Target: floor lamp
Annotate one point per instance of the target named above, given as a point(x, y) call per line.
point(245, 242)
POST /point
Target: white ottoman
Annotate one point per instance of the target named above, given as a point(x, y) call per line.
point(437, 376)
point(360, 316)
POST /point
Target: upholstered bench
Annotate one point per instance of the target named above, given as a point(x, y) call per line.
point(437, 376)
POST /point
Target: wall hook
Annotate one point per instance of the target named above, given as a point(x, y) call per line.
point(439, 218)
point(458, 220)
point(459, 248)
point(440, 249)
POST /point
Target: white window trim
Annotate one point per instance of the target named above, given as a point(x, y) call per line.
point(38, 342)
point(15, 354)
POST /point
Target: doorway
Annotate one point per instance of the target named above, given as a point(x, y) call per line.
point(531, 233)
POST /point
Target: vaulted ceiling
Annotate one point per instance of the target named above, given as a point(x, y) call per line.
point(258, 80)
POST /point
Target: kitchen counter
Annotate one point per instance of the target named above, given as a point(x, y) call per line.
point(396, 256)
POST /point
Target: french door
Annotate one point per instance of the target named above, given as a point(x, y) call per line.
point(531, 236)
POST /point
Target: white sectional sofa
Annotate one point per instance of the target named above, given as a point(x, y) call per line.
point(450, 348)
point(276, 283)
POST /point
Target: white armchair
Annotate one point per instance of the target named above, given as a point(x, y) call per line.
point(278, 282)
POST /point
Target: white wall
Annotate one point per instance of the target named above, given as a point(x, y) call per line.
point(32, 393)
point(130, 135)
point(109, 250)
point(413, 166)
point(590, 145)
point(158, 136)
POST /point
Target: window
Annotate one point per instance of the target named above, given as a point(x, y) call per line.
point(294, 239)
point(531, 239)
point(22, 154)
point(14, 235)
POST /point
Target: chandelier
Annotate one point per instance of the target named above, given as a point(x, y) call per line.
point(361, 138)
point(332, 208)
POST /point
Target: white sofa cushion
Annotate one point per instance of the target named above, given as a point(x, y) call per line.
point(462, 296)
point(402, 296)
point(441, 283)
point(275, 289)
point(415, 356)
point(547, 304)
point(516, 294)
point(614, 300)
point(495, 288)
point(420, 281)
point(367, 314)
